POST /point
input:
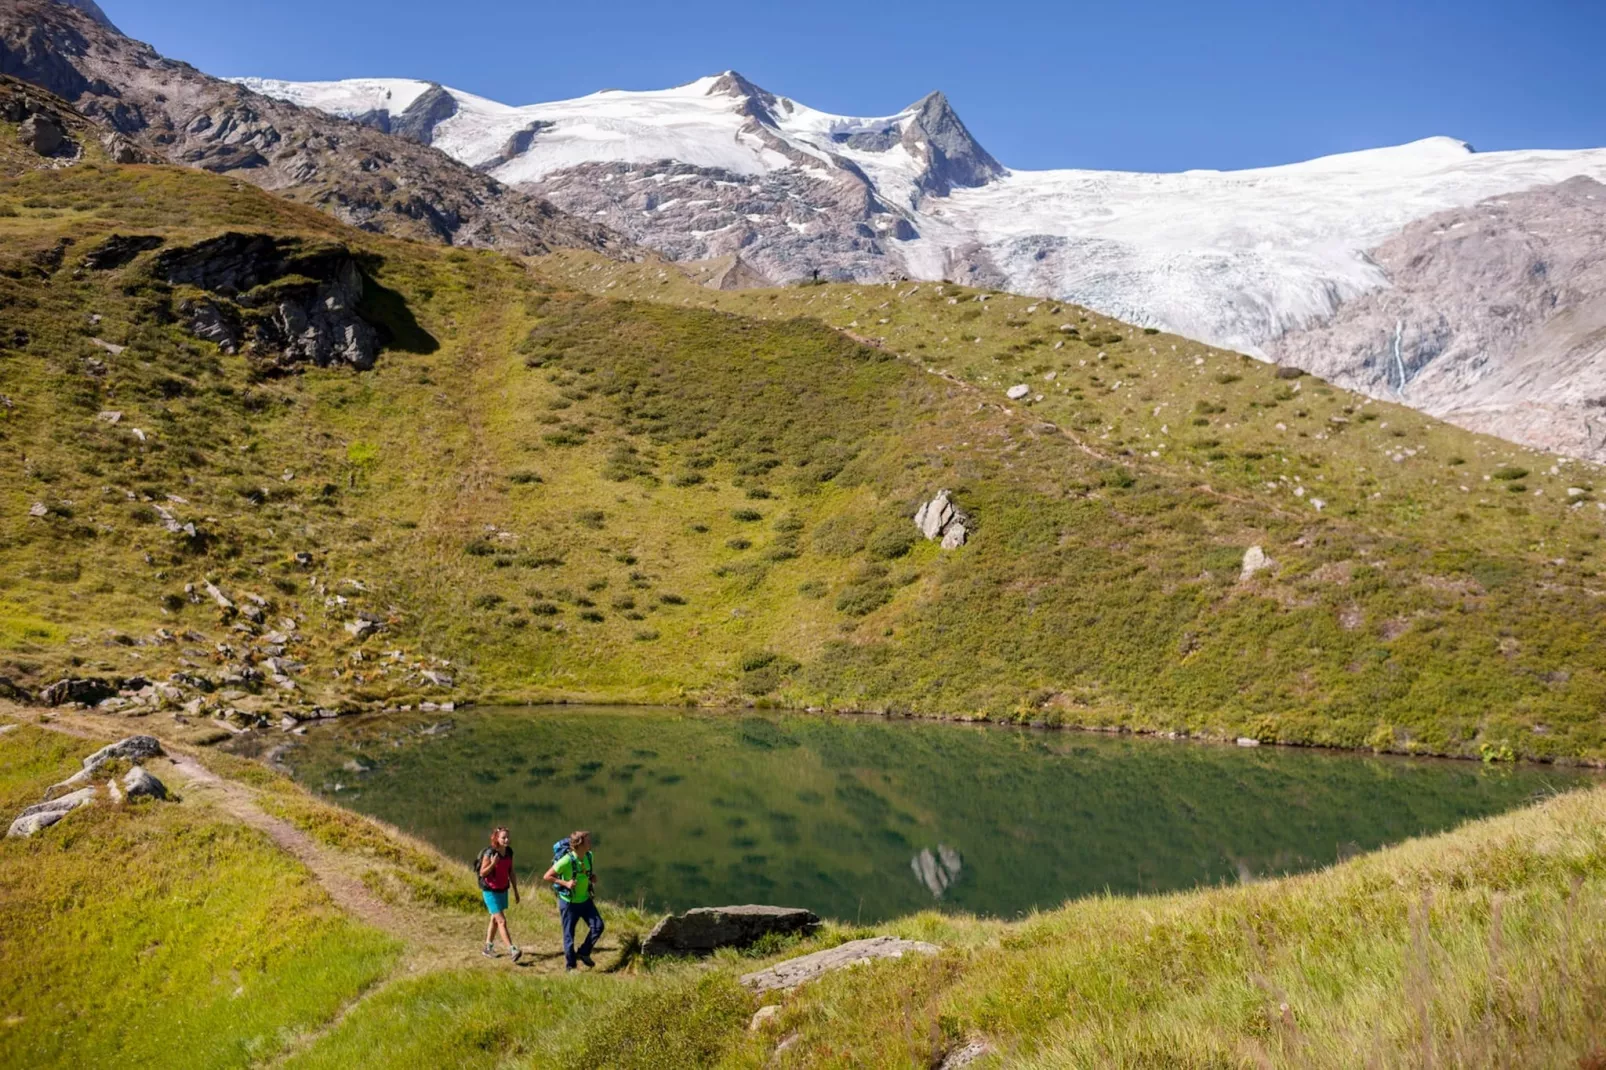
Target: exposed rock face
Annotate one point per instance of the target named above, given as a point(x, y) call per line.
point(43, 815)
point(707, 929)
point(794, 972)
point(1495, 319)
point(938, 869)
point(951, 157)
point(941, 519)
point(362, 175)
point(119, 249)
point(284, 304)
point(133, 748)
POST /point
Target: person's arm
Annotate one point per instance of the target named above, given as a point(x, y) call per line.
point(551, 877)
point(487, 860)
point(513, 875)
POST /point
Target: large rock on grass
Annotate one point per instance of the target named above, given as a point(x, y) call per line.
point(707, 929)
point(43, 815)
point(138, 782)
point(793, 972)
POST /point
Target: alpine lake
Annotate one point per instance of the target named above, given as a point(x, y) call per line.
point(862, 819)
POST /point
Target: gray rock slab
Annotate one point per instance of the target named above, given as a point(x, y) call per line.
point(805, 968)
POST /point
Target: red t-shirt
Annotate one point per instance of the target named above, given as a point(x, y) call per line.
point(501, 872)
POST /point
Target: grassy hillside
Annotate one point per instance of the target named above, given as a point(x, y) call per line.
point(1479, 948)
point(541, 493)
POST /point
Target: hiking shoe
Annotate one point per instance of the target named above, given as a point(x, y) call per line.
point(489, 951)
point(587, 960)
point(512, 949)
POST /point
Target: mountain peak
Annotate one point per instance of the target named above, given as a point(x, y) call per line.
point(92, 9)
point(952, 157)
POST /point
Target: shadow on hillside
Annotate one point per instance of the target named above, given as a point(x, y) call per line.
point(386, 310)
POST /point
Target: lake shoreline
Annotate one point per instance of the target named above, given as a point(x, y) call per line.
point(1593, 765)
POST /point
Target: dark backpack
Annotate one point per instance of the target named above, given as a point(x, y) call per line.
point(478, 859)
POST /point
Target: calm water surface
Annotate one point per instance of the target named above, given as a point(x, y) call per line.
point(868, 819)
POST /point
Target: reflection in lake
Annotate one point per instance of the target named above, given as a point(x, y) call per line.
point(865, 818)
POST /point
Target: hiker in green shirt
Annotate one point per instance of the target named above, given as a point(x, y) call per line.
point(572, 878)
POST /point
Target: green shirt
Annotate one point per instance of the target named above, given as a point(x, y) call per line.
point(570, 868)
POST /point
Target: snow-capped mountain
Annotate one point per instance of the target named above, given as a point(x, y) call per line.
point(719, 167)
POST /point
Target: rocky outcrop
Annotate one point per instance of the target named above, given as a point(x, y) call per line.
point(282, 304)
point(132, 748)
point(86, 690)
point(119, 249)
point(707, 929)
point(43, 815)
point(941, 519)
point(433, 107)
point(1494, 319)
point(794, 972)
point(361, 175)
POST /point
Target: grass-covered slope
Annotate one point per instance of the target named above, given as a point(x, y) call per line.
point(539, 492)
point(165, 933)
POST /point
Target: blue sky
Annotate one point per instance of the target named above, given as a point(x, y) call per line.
point(1133, 84)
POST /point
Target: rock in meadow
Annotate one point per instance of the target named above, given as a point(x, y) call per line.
point(43, 815)
point(138, 782)
point(794, 972)
point(707, 929)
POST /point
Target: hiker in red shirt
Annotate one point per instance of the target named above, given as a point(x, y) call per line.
point(495, 867)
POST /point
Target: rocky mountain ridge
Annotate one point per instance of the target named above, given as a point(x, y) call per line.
point(721, 169)
point(359, 174)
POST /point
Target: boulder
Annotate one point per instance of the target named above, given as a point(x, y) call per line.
point(42, 134)
point(793, 972)
point(954, 536)
point(707, 929)
point(1018, 391)
point(133, 748)
point(43, 815)
point(138, 782)
point(88, 690)
point(1255, 560)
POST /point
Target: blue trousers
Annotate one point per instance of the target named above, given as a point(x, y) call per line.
point(572, 914)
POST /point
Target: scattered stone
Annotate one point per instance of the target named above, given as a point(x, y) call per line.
point(439, 679)
point(707, 929)
point(1255, 560)
point(7, 729)
point(218, 596)
point(1247, 741)
point(763, 1016)
point(139, 783)
point(359, 628)
point(43, 815)
point(794, 972)
point(111, 416)
point(38, 509)
point(1018, 391)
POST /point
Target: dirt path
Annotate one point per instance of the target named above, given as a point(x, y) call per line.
point(433, 938)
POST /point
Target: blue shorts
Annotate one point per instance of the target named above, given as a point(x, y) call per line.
point(495, 902)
